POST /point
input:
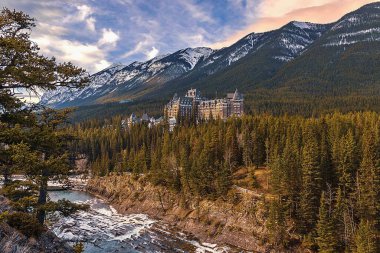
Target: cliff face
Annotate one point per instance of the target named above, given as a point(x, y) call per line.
point(239, 221)
point(12, 241)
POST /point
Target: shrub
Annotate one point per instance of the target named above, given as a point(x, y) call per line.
point(25, 223)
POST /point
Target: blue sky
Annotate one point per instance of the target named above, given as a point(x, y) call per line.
point(95, 33)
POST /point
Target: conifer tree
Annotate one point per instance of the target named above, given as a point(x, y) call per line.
point(276, 223)
point(232, 148)
point(368, 181)
point(365, 239)
point(291, 179)
point(326, 226)
point(247, 149)
point(40, 153)
point(346, 165)
point(328, 174)
point(311, 183)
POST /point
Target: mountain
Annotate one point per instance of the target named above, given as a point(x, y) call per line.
point(112, 83)
point(283, 68)
point(184, 67)
point(254, 58)
point(345, 59)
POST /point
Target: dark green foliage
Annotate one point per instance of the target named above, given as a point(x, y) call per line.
point(64, 207)
point(326, 226)
point(365, 239)
point(368, 180)
point(336, 153)
point(32, 142)
point(276, 223)
point(323, 79)
point(311, 182)
point(25, 223)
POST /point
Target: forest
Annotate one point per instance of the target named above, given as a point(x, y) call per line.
point(323, 166)
point(324, 171)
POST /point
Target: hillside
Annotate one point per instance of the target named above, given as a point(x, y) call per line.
point(288, 70)
point(344, 60)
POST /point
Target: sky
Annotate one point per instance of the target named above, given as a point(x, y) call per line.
point(93, 34)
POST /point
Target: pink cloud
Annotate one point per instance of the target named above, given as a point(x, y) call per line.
point(317, 11)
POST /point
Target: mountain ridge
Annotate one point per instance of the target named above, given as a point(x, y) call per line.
point(276, 59)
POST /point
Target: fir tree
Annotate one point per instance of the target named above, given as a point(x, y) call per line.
point(326, 226)
point(311, 183)
point(276, 223)
point(365, 239)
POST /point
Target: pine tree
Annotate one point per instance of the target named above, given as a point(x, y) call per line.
point(276, 223)
point(368, 181)
point(328, 173)
point(347, 164)
point(185, 167)
point(247, 149)
point(223, 179)
point(291, 180)
point(232, 149)
point(45, 155)
point(345, 220)
point(326, 226)
point(311, 183)
point(365, 239)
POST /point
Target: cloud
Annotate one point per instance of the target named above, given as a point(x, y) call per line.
point(89, 32)
point(152, 53)
point(89, 56)
point(196, 11)
point(46, 28)
point(273, 14)
point(109, 37)
point(84, 11)
point(142, 46)
point(90, 23)
point(79, 14)
point(102, 65)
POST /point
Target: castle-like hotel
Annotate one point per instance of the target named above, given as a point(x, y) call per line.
point(192, 104)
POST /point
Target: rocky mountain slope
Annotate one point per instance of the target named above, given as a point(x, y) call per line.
point(114, 81)
point(345, 59)
point(120, 82)
point(297, 59)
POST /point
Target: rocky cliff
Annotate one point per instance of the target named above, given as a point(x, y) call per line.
point(238, 220)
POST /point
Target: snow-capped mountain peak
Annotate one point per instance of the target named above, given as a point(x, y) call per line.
point(362, 25)
point(264, 50)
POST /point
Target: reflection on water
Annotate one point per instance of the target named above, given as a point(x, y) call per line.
point(102, 229)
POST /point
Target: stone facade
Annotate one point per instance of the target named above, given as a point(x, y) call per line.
point(204, 109)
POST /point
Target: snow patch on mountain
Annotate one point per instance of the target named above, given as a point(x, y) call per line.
point(283, 58)
point(193, 55)
point(304, 25)
point(246, 46)
point(362, 25)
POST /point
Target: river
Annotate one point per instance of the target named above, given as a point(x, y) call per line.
point(102, 229)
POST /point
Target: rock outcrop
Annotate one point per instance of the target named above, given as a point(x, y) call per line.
point(238, 220)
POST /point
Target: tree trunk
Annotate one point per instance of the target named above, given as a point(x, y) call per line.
point(42, 197)
point(6, 175)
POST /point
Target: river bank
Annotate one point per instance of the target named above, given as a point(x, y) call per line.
point(239, 222)
point(103, 229)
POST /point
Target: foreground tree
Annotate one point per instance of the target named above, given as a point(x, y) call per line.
point(31, 143)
